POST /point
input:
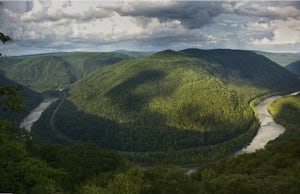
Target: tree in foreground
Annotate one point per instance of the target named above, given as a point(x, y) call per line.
point(20, 172)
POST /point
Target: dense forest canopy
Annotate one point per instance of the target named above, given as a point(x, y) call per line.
point(180, 102)
point(165, 106)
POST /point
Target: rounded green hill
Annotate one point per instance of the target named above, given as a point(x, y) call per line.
point(172, 102)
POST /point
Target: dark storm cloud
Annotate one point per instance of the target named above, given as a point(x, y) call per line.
point(191, 14)
point(196, 14)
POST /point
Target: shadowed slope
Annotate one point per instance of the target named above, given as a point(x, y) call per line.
point(294, 68)
point(170, 101)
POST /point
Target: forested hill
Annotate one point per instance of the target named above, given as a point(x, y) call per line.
point(294, 68)
point(171, 101)
point(55, 71)
point(247, 66)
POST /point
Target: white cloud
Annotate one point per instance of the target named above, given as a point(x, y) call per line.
point(286, 12)
point(285, 32)
point(263, 41)
point(79, 25)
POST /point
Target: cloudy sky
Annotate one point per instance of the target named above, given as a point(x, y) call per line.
point(54, 26)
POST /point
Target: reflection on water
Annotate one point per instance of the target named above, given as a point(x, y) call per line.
point(269, 130)
point(36, 113)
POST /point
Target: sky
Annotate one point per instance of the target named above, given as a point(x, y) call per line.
point(67, 26)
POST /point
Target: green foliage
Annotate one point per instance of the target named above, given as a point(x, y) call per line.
point(20, 172)
point(239, 67)
point(161, 92)
point(158, 180)
point(55, 71)
point(286, 111)
point(121, 137)
point(130, 182)
point(14, 97)
point(28, 167)
point(193, 102)
point(169, 180)
point(274, 170)
point(10, 98)
point(80, 162)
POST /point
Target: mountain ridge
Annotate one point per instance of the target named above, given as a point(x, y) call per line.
point(55, 71)
point(173, 96)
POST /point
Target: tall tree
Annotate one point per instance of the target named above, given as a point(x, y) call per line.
point(10, 99)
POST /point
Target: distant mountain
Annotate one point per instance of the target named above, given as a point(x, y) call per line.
point(282, 59)
point(135, 54)
point(55, 71)
point(294, 68)
point(172, 100)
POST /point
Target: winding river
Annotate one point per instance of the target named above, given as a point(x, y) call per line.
point(269, 129)
point(36, 113)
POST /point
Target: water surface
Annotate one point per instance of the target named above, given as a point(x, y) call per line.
point(269, 129)
point(36, 113)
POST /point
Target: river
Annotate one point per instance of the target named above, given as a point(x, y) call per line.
point(269, 129)
point(36, 113)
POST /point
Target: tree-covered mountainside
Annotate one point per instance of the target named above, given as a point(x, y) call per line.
point(30, 167)
point(294, 68)
point(282, 59)
point(171, 101)
point(30, 98)
point(169, 89)
point(273, 170)
point(135, 54)
point(55, 71)
point(27, 167)
point(240, 67)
